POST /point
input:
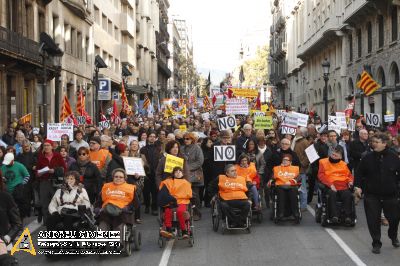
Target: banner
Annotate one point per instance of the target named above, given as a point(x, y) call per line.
point(341, 116)
point(290, 120)
point(333, 123)
point(237, 107)
point(263, 122)
point(171, 162)
point(246, 93)
point(224, 153)
point(56, 130)
point(372, 119)
point(302, 119)
point(388, 118)
point(183, 128)
point(226, 122)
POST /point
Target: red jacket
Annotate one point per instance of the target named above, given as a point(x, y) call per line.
point(55, 162)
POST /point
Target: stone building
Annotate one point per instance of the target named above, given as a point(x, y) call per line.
point(352, 35)
point(173, 62)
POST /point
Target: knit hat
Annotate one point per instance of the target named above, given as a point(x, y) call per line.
point(96, 139)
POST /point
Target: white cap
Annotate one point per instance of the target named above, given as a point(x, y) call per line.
point(8, 158)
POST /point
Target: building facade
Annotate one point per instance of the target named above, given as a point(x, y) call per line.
point(173, 62)
point(352, 35)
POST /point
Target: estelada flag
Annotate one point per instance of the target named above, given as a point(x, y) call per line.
point(66, 111)
point(124, 99)
point(80, 107)
point(206, 102)
point(146, 102)
point(367, 84)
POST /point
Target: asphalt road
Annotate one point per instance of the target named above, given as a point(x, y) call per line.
point(268, 244)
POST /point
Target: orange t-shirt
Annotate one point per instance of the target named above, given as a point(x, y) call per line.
point(180, 189)
point(118, 195)
point(99, 157)
point(232, 188)
point(284, 174)
point(250, 173)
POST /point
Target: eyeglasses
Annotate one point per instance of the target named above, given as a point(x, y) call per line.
point(82, 154)
point(119, 176)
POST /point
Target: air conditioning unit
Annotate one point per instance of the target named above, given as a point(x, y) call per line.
point(284, 46)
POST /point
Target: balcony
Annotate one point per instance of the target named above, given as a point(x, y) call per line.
point(128, 25)
point(163, 67)
point(280, 24)
point(137, 25)
point(128, 55)
point(357, 10)
point(15, 45)
point(78, 7)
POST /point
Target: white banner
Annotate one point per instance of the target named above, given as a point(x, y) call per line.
point(372, 119)
point(133, 166)
point(341, 116)
point(288, 130)
point(237, 107)
point(352, 125)
point(333, 123)
point(290, 120)
point(224, 153)
point(226, 122)
point(56, 130)
point(302, 119)
point(388, 118)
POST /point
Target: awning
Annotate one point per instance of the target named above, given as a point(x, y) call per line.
point(137, 89)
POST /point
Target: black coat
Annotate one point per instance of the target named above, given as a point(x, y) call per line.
point(378, 173)
point(322, 150)
point(356, 150)
point(277, 156)
point(10, 221)
point(91, 178)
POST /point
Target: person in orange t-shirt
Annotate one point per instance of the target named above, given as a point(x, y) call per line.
point(177, 191)
point(248, 170)
point(285, 176)
point(336, 176)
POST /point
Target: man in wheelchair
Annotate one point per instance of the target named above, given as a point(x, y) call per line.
point(175, 192)
point(285, 184)
point(118, 200)
point(232, 189)
point(68, 203)
point(337, 181)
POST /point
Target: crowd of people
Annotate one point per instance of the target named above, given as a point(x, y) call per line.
point(42, 177)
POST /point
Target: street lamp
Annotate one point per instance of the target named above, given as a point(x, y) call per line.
point(325, 67)
point(48, 49)
point(98, 63)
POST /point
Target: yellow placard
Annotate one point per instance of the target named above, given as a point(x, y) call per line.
point(247, 93)
point(183, 128)
point(171, 162)
point(263, 122)
point(264, 108)
point(24, 243)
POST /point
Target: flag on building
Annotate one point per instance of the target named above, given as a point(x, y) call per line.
point(66, 111)
point(26, 119)
point(124, 99)
point(146, 102)
point(367, 83)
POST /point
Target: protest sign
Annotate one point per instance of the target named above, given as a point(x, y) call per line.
point(388, 118)
point(205, 116)
point(290, 120)
point(56, 130)
point(263, 122)
point(333, 123)
point(133, 166)
point(372, 119)
point(312, 154)
point(226, 122)
point(224, 153)
point(237, 107)
point(302, 119)
point(81, 120)
point(288, 130)
point(183, 128)
point(341, 116)
point(171, 162)
point(104, 124)
point(352, 125)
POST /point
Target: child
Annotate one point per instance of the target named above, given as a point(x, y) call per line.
point(175, 191)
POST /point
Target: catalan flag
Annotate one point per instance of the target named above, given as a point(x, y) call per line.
point(26, 118)
point(66, 110)
point(80, 107)
point(367, 84)
point(146, 102)
point(125, 104)
point(206, 102)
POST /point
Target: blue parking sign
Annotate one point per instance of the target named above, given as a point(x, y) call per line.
point(104, 90)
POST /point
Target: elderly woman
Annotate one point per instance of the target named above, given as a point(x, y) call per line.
point(65, 203)
point(19, 137)
point(90, 173)
point(194, 158)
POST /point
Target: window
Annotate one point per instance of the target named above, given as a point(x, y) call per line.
point(97, 50)
point(359, 42)
point(97, 15)
point(73, 42)
point(55, 26)
point(350, 47)
point(87, 49)
point(381, 34)
point(110, 27)
point(369, 36)
point(116, 33)
point(104, 22)
point(42, 24)
point(79, 44)
point(116, 65)
point(67, 38)
point(394, 23)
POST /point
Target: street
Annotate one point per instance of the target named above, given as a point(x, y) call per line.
point(267, 244)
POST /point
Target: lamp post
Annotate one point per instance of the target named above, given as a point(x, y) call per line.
point(325, 67)
point(98, 63)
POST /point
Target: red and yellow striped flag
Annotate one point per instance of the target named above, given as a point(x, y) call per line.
point(66, 110)
point(26, 118)
point(206, 102)
point(146, 102)
point(125, 104)
point(367, 84)
point(80, 104)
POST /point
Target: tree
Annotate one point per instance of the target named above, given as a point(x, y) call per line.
point(188, 73)
point(256, 69)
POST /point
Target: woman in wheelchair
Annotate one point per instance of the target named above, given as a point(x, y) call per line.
point(248, 170)
point(64, 204)
point(286, 186)
point(175, 192)
point(118, 200)
point(337, 180)
point(232, 189)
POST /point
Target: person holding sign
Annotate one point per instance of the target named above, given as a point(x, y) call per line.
point(175, 192)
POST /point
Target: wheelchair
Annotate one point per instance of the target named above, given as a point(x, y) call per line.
point(218, 217)
point(322, 214)
point(177, 232)
point(287, 213)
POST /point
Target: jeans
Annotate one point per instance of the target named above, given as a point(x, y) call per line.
point(303, 191)
point(254, 191)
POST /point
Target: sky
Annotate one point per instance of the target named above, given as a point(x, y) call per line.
point(218, 29)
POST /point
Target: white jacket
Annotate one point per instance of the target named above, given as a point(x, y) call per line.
point(68, 197)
